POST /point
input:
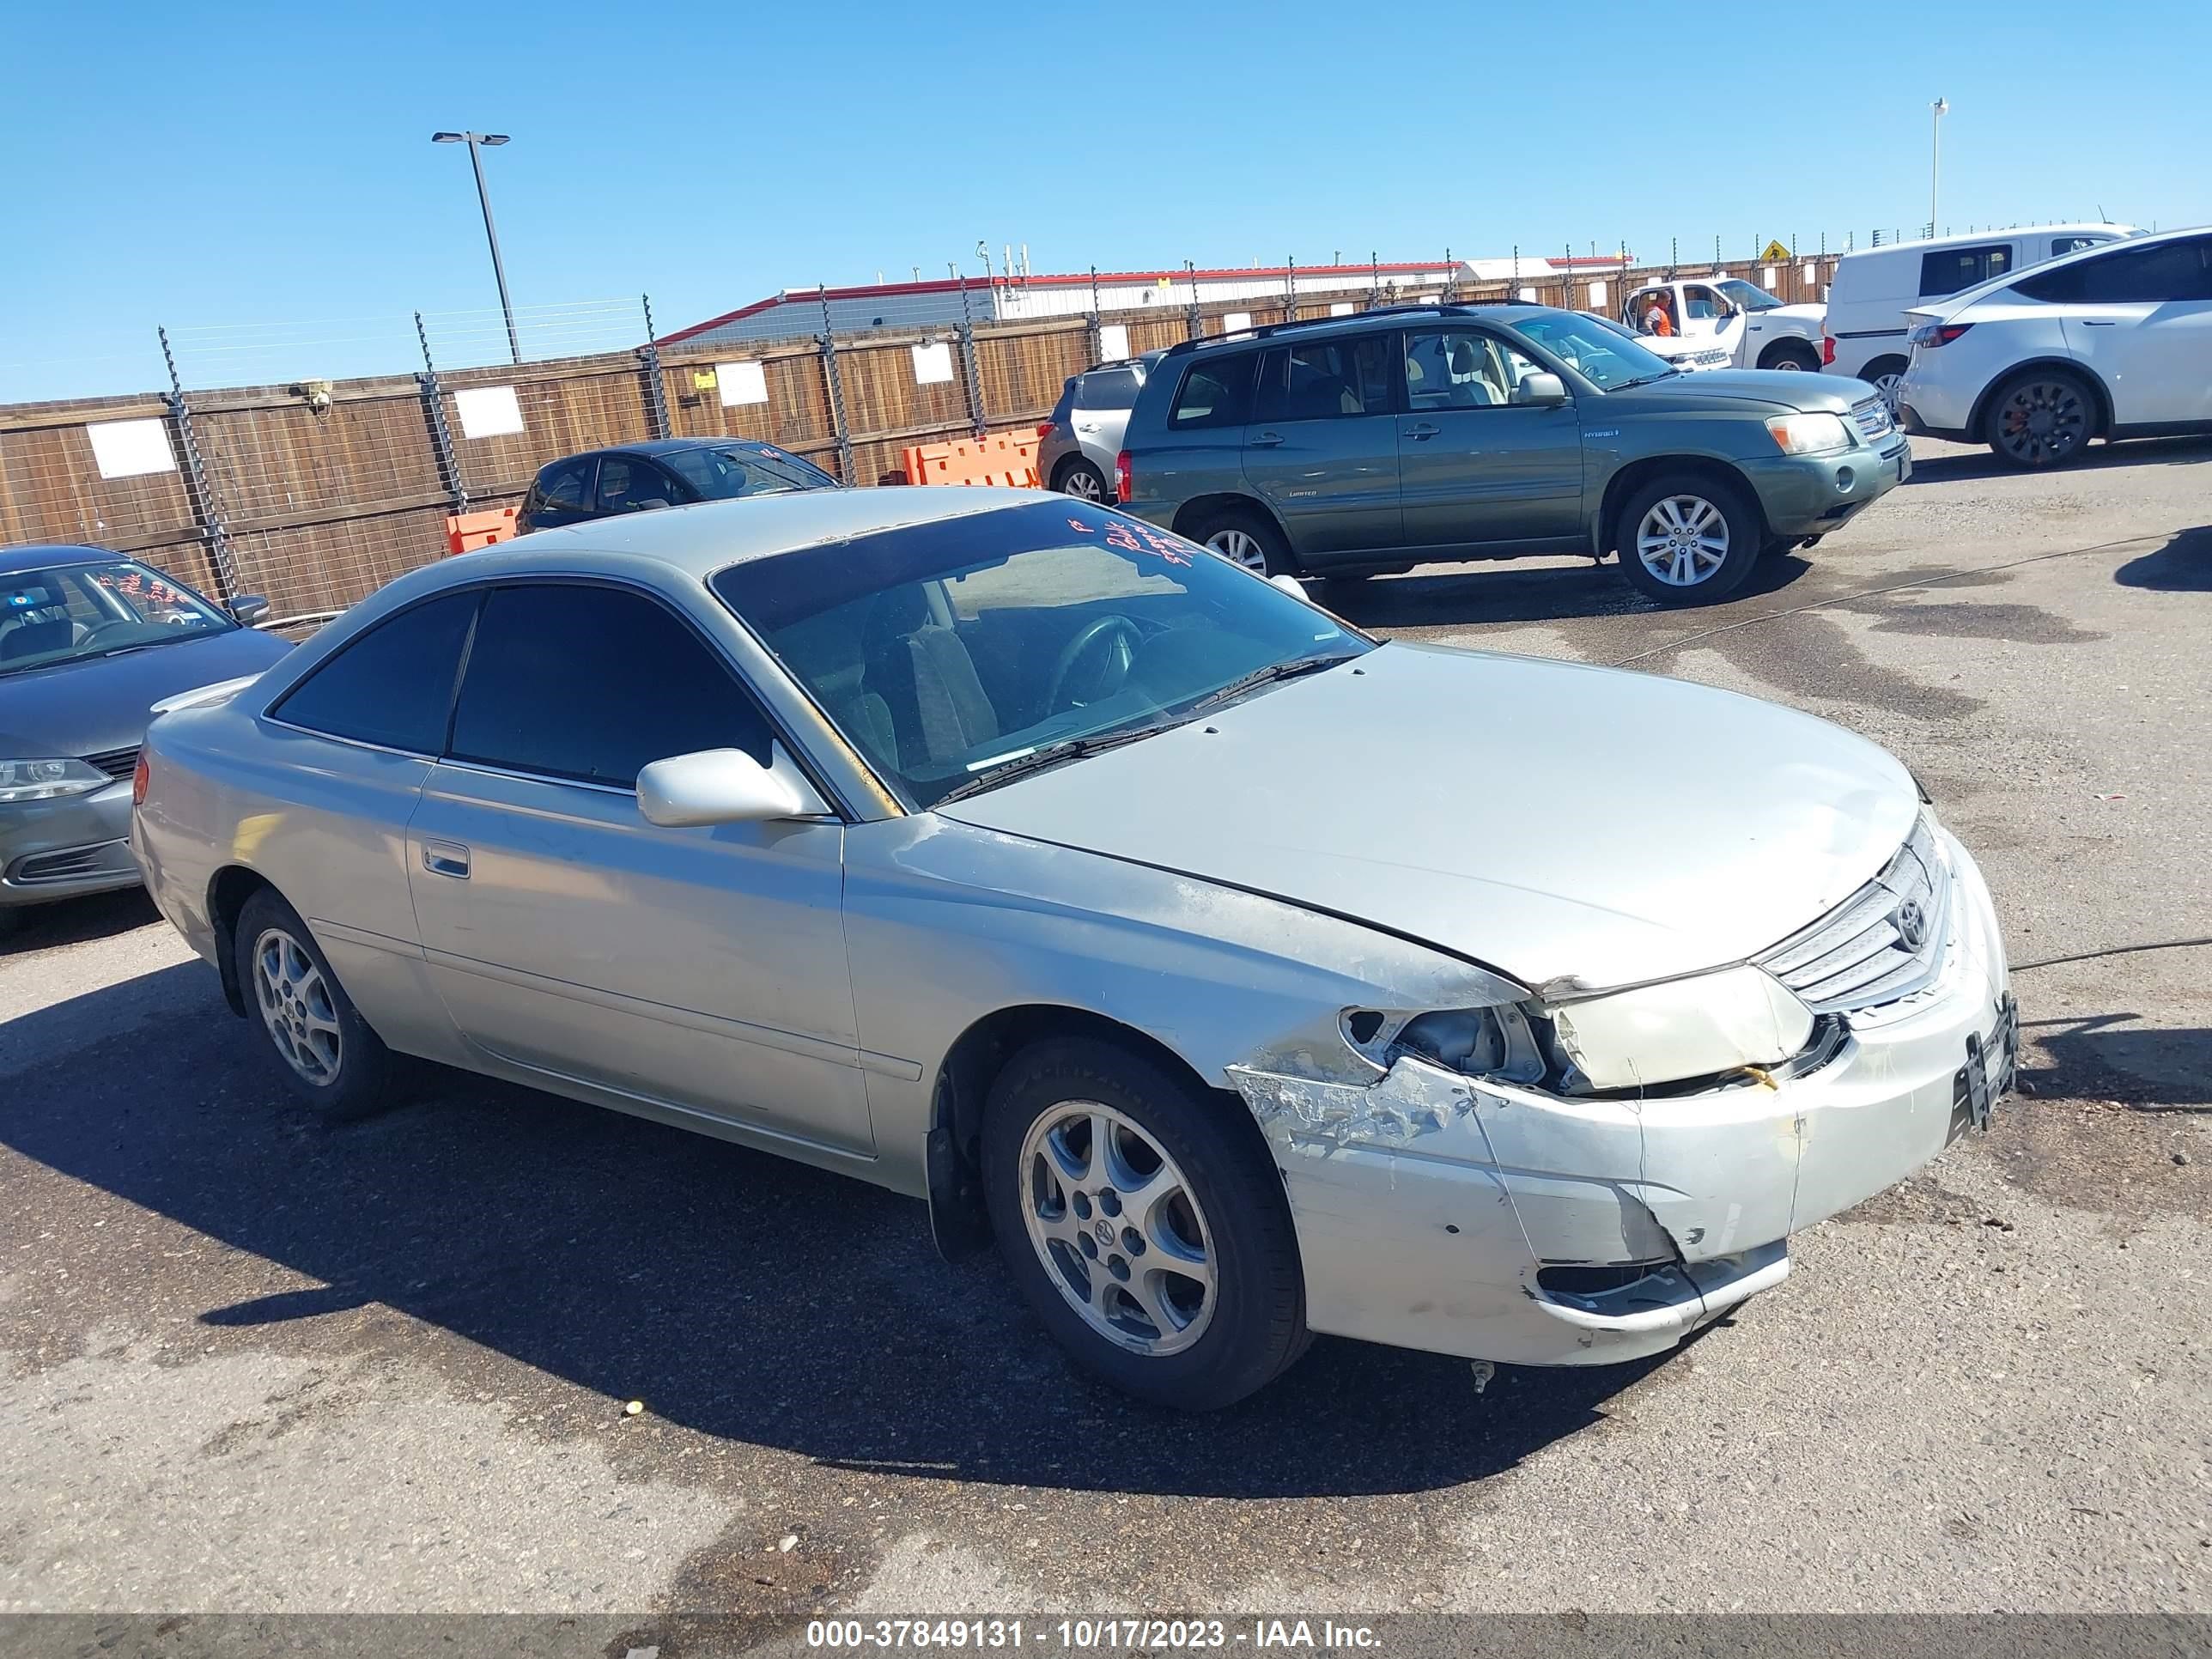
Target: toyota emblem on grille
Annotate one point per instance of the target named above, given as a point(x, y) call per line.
point(1911, 924)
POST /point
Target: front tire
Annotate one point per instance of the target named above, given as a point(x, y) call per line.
point(1080, 479)
point(1793, 355)
point(2040, 418)
point(322, 1047)
point(1144, 1223)
point(1248, 539)
point(1688, 539)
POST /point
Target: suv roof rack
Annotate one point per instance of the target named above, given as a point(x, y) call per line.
point(1436, 308)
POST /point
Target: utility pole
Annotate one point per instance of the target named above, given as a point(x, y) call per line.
point(476, 142)
point(1936, 112)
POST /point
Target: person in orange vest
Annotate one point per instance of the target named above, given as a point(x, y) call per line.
point(1656, 318)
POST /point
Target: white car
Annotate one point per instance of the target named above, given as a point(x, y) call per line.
point(1756, 330)
point(2111, 341)
point(1688, 355)
point(1867, 297)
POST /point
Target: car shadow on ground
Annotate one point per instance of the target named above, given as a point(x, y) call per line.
point(1509, 592)
point(740, 1294)
point(2184, 565)
point(1979, 463)
point(2145, 1068)
point(49, 926)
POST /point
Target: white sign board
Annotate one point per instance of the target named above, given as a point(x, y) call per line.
point(741, 383)
point(1341, 308)
point(489, 412)
point(130, 449)
point(1768, 275)
point(1597, 297)
point(1528, 296)
point(933, 364)
point(1235, 321)
point(1114, 341)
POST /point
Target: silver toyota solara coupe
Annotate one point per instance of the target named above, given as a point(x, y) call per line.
point(1243, 976)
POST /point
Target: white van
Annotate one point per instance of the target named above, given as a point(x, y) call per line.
point(1872, 289)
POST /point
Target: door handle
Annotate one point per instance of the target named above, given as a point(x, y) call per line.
point(1263, 440)
point(1422, 431)
point(445, 858)
point(2098, 322)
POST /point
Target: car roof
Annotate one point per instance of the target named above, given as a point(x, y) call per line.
point(1997, 234)
point(1967, 296)
point(39, 556)
point(660, 446)
point(1382, 317)
point(703, 538)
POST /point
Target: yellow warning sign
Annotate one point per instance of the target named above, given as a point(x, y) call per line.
point(1775, 250)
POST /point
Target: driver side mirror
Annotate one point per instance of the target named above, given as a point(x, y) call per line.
point(249, 609)
point(1543, 390)
point(723, 786)
point(1290, 585)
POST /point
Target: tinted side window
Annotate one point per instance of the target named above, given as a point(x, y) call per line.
point(629, 482)
point(1948, 269)
point(2178, 270)
point(1215, 391)
point(566, 486)
point(2072, 244)
point(393, 685)
point(1325, 379)
point(1106, 388)
point(573, 681)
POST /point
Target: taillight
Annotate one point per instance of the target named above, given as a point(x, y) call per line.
point(140, 776)
point(1044, 428)
point(1121, 477)
point(1932, 335)
point(1827, 349)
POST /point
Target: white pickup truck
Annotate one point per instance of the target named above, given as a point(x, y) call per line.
point(1755, 328)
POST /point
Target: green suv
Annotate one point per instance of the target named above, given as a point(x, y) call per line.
point(1366, 445)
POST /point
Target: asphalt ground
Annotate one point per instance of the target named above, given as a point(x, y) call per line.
point(250, 1364)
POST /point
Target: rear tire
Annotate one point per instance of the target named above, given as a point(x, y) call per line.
point(2042, 417)
point(1143, 1223)
point(1248, 539)
point(1688, 538)
point(1080, 479)
point(1883, 374)
point(320, 1043)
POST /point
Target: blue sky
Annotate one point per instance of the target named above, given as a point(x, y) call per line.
point(261, 179)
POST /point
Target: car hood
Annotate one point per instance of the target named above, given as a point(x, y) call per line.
point(1815, 315)
point(103, 703)
point(1558, 823)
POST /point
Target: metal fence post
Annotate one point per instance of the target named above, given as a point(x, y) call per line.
point(832, 383)
point(970, 373)
point(1094, 341)
point(1451, 279)
point(434, 411)
point(202, 492)
point(1291, 288)
point(656, 393)
point(1194, 324)
point(1374, 278)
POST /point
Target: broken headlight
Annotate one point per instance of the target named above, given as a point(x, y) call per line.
point(1495, 1042)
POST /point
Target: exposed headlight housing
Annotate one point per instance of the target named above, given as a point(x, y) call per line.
point(48, 779)
point(1809, 434)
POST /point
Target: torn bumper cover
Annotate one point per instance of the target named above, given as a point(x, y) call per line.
point(1461, 1215)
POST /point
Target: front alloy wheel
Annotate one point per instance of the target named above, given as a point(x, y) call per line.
point(2039, 421)
point(1682, 540)
point(1117, 1229)
point(296, 1006)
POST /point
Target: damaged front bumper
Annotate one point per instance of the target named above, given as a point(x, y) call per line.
point(1464, 1216)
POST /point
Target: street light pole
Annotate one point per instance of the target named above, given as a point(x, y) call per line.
point(1936, 112)
point(476, 141)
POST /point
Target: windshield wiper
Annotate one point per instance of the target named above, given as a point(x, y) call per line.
point(1053, 754)
point(1646, 380)
point(1289, 670)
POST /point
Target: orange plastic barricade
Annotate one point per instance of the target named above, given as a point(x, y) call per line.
point(467, 532)
point(1001, 458)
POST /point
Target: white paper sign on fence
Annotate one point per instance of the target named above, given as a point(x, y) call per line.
point(741, 383)
point(1235, 321)
point(1769, 274)
point(489, 412)
point(933, 364)
point(1597, 297)
point(130, 449)
point(1341, 308)
point(1528, 296)
point(1113, 340)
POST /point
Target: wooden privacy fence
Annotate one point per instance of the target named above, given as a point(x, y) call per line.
point(316, 494)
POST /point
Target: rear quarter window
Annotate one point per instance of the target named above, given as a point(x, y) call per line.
point(1106, 388)
point(393, 685)
point(1216, 391)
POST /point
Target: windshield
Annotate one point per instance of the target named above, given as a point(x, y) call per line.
point(1609, 357)
point(943, 651)
point(1745, 294)
point(722, 475)
point(67, 612)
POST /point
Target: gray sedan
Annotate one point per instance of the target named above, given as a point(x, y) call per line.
point(1241, 977)
point(90, 641)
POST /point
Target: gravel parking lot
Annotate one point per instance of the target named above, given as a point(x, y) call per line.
point(248, 1364)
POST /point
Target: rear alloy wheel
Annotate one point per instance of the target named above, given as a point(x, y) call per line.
point(1144, 1223)
point(1244, 538)
point(2040, 419)
point(325, 1051)
point(1083, 481)
point(1884, 374)
point(1689, 540)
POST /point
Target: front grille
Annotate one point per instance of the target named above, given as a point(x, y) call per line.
point(1872, 416)
point(1858, 954)
point(116, 763)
